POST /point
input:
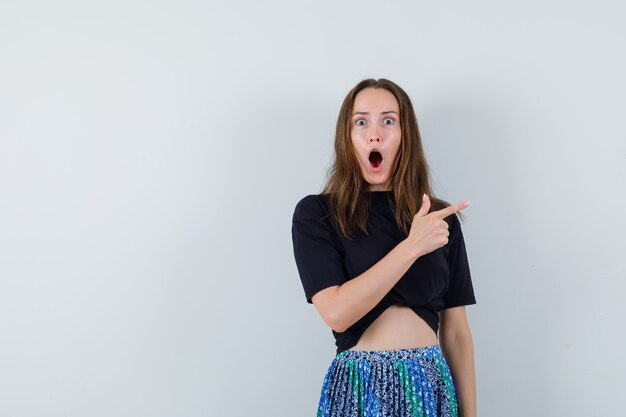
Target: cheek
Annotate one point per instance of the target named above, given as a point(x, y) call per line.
point(396, 148)
point(355, 148)
point(398, 138)
point(357, 143)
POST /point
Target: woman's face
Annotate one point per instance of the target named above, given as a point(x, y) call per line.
point(375, 132)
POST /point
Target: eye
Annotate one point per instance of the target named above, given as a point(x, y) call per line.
point(388, 118)
point(359, 120)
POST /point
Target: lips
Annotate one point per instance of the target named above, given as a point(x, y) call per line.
point(376, 159)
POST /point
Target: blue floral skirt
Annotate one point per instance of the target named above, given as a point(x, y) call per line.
point(408, 382)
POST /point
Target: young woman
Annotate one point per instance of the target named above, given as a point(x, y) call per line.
point(384, 263)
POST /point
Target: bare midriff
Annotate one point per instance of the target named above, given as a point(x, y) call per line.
point(398, 327)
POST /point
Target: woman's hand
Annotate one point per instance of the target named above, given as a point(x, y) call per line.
point(429, 231)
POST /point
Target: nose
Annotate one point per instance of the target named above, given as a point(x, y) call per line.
point(375, 135)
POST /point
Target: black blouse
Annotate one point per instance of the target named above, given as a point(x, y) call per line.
point(324, 258)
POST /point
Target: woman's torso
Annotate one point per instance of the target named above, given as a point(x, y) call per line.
point(398, 327)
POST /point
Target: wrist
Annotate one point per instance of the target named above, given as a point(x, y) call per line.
point(412, 251)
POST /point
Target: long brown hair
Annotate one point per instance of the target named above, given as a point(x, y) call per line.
point(346, 186)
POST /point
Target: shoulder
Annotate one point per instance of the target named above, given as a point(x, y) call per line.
point(311, 206)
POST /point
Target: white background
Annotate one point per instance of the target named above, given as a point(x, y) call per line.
point(152, 153)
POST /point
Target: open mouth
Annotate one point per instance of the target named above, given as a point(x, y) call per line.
point(376, 159)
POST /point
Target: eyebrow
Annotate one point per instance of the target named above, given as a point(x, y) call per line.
point(385, 112)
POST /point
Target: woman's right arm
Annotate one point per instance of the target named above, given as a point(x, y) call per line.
point(343, 305)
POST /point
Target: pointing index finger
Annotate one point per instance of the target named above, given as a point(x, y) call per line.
point(445, 212)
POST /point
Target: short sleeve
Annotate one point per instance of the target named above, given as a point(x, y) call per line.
point(460, 289)
point(318, 255)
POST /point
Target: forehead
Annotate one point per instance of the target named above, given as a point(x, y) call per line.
point(375, 100)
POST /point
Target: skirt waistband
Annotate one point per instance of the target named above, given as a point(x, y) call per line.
point(391, 354)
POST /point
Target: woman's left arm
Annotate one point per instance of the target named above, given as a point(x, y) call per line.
point(456, 344)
